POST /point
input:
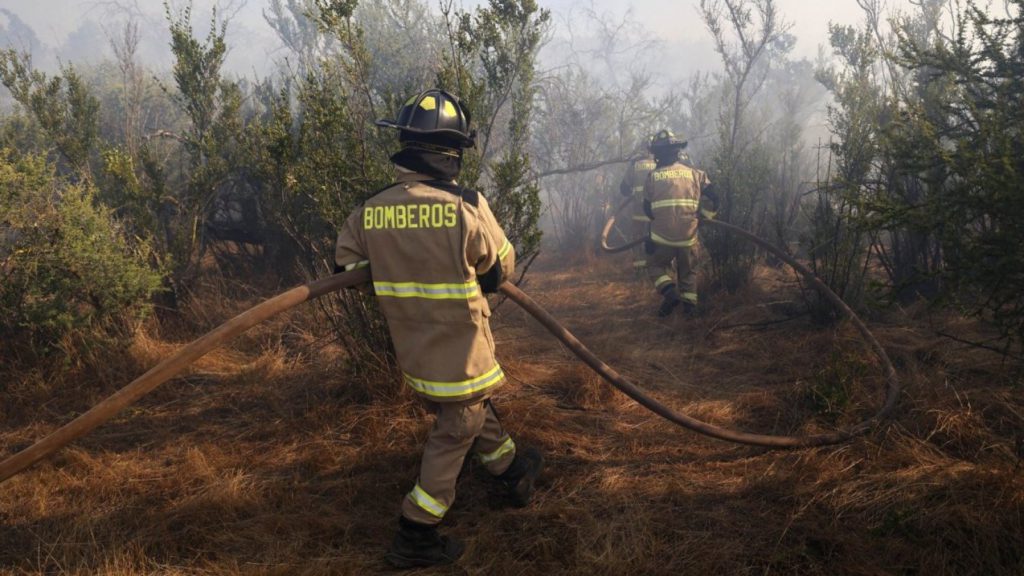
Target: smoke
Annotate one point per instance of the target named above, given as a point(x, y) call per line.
point(77, 31)
point(61, 32)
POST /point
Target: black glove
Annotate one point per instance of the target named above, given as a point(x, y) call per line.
point(491, 279)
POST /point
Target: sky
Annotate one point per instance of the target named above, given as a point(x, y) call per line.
point(675, 23)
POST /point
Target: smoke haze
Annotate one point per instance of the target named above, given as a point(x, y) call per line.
point(77, 31)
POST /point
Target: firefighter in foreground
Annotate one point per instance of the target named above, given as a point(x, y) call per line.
point(434, 249)
point(672, 200)
point(632, 186)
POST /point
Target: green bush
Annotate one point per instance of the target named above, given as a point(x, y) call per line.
point(64, 262)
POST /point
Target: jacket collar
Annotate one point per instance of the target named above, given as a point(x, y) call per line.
point(406, 175)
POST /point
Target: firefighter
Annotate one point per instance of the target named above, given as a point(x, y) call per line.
point(435, 248)
point(632, 186)
point(673, 194)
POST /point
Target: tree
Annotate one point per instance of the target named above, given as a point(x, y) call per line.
point(749, 35)
point(963, 138)
point(62, 105)
point(491, 65)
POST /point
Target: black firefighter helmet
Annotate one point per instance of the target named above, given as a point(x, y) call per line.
point(665, 140)
point(433, 117)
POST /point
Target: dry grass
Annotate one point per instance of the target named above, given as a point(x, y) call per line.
point(266, 459)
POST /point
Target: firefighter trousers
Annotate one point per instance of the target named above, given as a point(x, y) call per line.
point(671, 267)
point(458, 428)
point(641, 229)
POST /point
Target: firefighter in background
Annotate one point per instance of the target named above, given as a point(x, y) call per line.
point(435, 248)
point(632, 186)
point(673, 194)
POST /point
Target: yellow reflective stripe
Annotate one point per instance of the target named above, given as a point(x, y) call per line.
point(674, 243)
point(639, 188)
point(690, 297)
point(709, 214)
point(641, 218)
point(505, 448)
point(428, 291)
point(505, 249)
point(357, 265)
point(662, 282)
point(451, 389)
point(425, 501)
point(640, 264)
point(684, 202)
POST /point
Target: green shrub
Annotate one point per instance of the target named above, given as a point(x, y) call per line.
point(65, 263)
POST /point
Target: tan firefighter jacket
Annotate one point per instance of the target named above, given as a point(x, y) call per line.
point(673, 194)
point(633, 185)
point(426, 244)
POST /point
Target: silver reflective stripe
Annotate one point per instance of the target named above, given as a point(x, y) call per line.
point(674, 243)
point(357, 265)
point(684, 202)
point(429, 291)
point(427, 502)
point(461, 388)
point(506, 447)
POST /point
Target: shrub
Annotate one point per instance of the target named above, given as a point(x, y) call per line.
point(64, 262)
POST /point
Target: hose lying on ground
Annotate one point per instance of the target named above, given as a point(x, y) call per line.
point(171, 366)
point(776, 441)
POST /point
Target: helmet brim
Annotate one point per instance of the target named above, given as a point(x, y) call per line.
point(456, 136)
point(680, 144)
point(385, 123)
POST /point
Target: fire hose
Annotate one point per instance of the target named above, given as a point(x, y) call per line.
point(174, 364)
point(776, 441)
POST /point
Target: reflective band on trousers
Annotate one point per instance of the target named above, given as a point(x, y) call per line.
point(674, 243)
point(427, 502)
point(428, 291)
point(662, 281)
point(641, 218)
point(690, 297)
point(506, 447)
point(505, 249)
point(684, 202)
point(452, 389)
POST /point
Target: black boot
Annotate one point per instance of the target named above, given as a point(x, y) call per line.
point(421, 545)
point(671, 300)
point(689, 309)
point(521, 475)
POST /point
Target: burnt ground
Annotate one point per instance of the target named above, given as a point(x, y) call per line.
point(269, 457)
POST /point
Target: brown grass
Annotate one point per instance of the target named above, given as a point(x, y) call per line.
point(266, 459)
